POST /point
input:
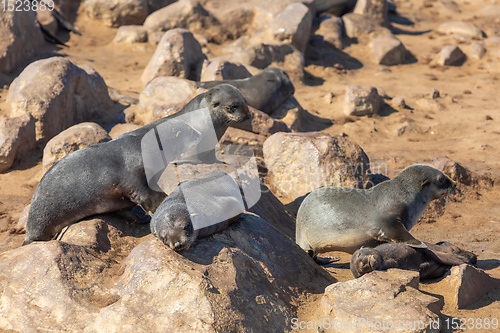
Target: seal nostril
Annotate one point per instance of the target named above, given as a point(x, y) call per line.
point(177, 245)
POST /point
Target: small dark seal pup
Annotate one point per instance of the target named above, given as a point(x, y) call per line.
point(197, 208)
point(431, 262)
point(110, 176)
point(345, 219)
point(264, 91)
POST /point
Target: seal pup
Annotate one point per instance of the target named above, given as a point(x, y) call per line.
point(264, 91)
point(111, 176)
point(346, 219)
point(197, 208)
point(431, 262)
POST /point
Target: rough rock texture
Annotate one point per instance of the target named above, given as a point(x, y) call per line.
point(293, 25)
point(235, 136)
point(17, 137)
point(459, 173)
point(450, 55)
point(387, 50)
point(292, 114)
point(220, 69)
point(331, 30)
point(177, 54)
point(301, 163)
point(476, 50)
point(356, 25)
point(120, 129)
point(361, 100)
point(382, 298)
point(461, 29)
point(213, 286)
point(129, 34)
point(117, 12)
point(469, 284)
point(20, 37)
point(69, 95)
point(70, 140)
point(261, 123)
point(376, 10)
point(164, 96)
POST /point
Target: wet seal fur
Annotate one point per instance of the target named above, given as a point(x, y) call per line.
point(172, 224)
point(431, 262)
point(345, 219)
point(264, 91)
point(110, 176)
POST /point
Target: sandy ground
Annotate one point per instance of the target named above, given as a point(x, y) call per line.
point(466, 130)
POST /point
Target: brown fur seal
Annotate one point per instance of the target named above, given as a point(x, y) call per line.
point(431, 262)
point(197, 208)
point(346, 219)
point(111, 176)
point(264, 91)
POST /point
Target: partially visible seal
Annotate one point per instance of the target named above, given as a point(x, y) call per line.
point(264, 91)
point(431, 262)
point(197, 208)
point(346, 219)
point(111, 176)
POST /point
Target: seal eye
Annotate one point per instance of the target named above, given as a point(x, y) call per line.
point(216, 104)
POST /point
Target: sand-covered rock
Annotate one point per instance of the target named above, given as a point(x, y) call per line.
point(129, 34)
point(293, 25)
point(361, 100)
point(69, 95)
point(20, 38)
point(117, 12)
point(450, 55)
point(476, 50)
point(387, 50)
point(177, 54)
point(76, 137)
point(17, 137)
point(299, 163)
point(460, 29)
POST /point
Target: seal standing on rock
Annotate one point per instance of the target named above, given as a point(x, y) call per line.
point(345, 219)
point(197, 208)
point(264, 91)
point(110, 176)
point(431, 262)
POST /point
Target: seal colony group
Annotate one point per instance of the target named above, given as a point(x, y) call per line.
point(111, 176)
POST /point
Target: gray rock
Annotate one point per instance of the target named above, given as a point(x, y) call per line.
point(357, 25)
point(218, 69)
point(69, 95)
point(407, 127)
point(361, 100)
point(461, 29)
point(476, 50)
point(117, 12)
point(293, 25)
point(376, 10)
point(428, 104)
point(389, 300)
point(398, 102)
point(17, 138)
point(299, 163)
point(387, 50)
point(70, 140)
point(20, 38)
point(450, 55)
point(129, 34)
point(331, 30)
point(178, 54)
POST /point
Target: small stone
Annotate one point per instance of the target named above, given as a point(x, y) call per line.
point(435, 94)
point(407, 127)
point(476, 50)
point(428, 104)
point(331, 30)
point(450, 55)
point(129, 34)
point(361, 100)
point(398, 102)
point(328, 98)
point(387, 50)
point(489, 118)
point(461, 29)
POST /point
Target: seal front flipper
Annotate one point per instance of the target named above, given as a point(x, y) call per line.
point(392, 230)
point(325, 260)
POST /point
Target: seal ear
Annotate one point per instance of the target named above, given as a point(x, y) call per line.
point(425, 182)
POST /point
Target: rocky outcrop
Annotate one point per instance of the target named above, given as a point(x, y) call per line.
point(300, 163)
point(69, 95)
point(17, 137)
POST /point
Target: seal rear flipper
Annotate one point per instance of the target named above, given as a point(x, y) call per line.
point(392, 230)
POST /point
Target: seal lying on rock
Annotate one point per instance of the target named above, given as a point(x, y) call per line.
point(431, 262)
point(346, 219)
point(111, 176)
point(197, 208)
point(264, 91)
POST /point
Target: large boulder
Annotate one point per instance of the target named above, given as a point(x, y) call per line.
point(213, 286)
point(299, 163)
point(117, 12)
point(76, 137)
point(58, 94)
point(20, 38)
point(293, 25)
point(17, 137)
point(177, 54)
